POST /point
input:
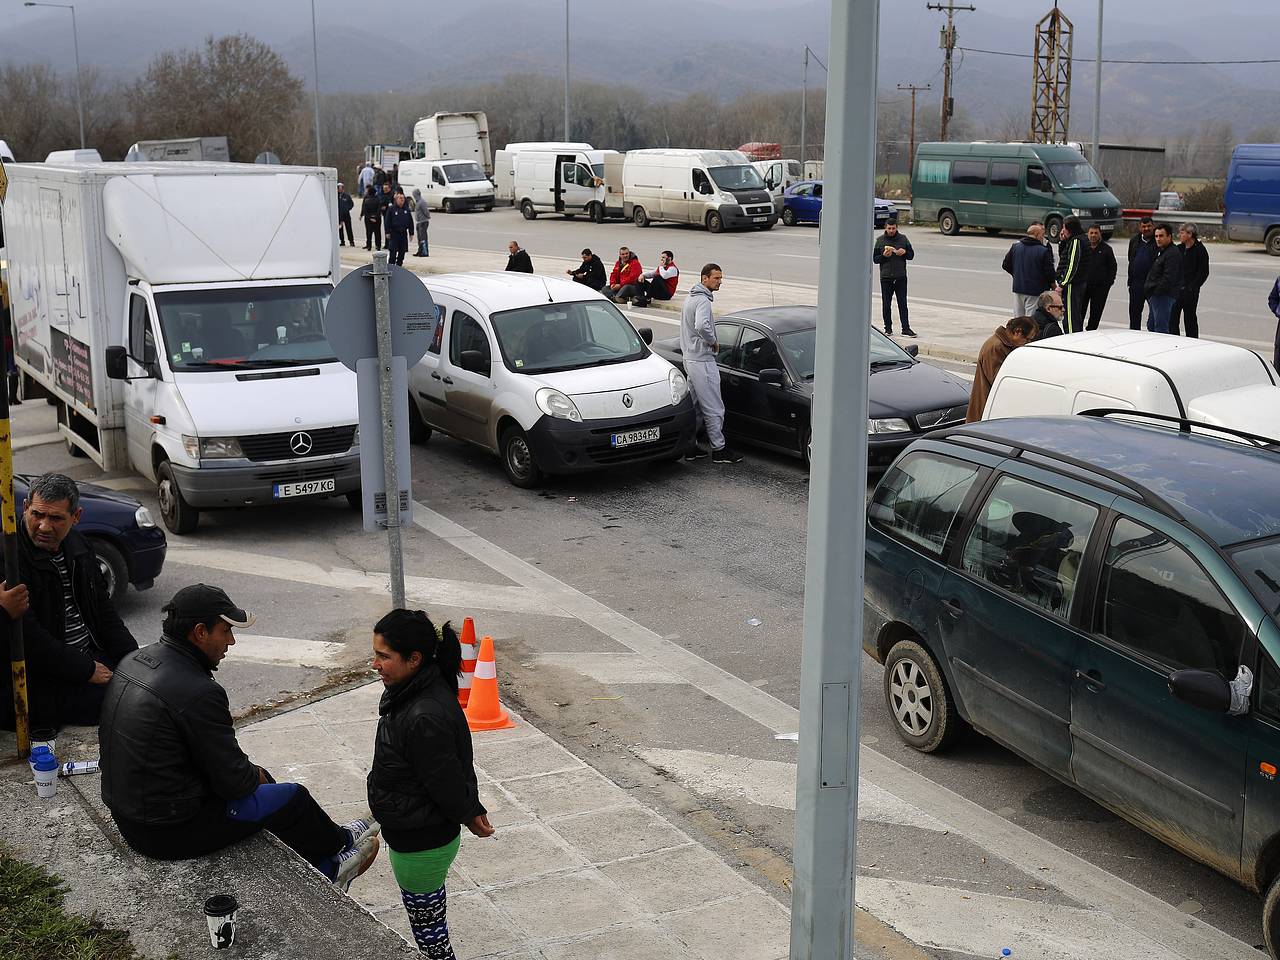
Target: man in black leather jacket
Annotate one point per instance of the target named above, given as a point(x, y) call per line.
point(173, 774)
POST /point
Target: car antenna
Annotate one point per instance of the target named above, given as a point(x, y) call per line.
point(550, 298)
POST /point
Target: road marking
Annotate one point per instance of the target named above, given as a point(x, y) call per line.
point(1081, 881)
point(448, 593)
point(285, 651)
point(608, 668)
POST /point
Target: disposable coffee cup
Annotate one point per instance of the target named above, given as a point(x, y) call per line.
point(44, 767)
point(220, 912)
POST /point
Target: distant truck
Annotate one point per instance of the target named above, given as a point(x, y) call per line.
point(188, 148)
point(454, 136)
point(174, 313)
point(1252, 198)
point(1134, 174)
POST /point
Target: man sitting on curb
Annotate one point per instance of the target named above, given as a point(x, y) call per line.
point(1048, 315)
point(173, 774)
point(624, 279)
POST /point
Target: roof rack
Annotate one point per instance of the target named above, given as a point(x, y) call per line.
point(1184, 424)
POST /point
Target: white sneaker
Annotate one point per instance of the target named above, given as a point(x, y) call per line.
point(355, 861)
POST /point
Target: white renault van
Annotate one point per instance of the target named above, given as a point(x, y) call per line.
point(448, 185)
point(569, 182)
point(717, 188)
point(1200, 380)
point(547, 374)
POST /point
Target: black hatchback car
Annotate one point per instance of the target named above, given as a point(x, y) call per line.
point(766, 365)
point(1103, 598)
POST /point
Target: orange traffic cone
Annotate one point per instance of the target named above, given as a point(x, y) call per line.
point(468, 641)
point(484, 712)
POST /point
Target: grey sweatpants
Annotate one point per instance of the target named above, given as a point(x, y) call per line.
point(1024, 304)
point(704, 385)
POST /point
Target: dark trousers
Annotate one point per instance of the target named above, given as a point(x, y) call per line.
point(53, 704)
point(1137, 300)
point(373, 233)
point(1161, 309)
point(1188, 303)
point(626, 292)
point(422, 240)
point(1073, 308)
point(654, 288)
point(397, 245)
point(344, 223)
point(300, 823)
point(891, 287)
point(1092, 304)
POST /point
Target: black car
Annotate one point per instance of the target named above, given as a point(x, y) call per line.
point(129, 545)
point(766, 365)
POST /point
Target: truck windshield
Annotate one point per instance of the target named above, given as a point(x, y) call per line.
point(1076, 175)
point(565, 336)
point(245, 327)
point(1260, 564)
point(463, 172)
point(736, 178)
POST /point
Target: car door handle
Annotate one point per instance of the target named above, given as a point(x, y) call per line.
point(953, 608)
point(435, 376)
point(448, 380)
point(1091, 679)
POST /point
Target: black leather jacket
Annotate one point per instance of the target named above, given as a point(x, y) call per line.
point(166, 739)
point(423, 784)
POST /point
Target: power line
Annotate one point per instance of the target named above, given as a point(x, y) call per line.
point(1154, 63)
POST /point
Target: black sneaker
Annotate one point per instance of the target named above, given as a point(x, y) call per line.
point(695, 453)
point(725, 455)
point(888, 331)
point(910, 333)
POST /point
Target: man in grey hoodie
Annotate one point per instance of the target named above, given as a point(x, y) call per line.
point(698, 346)
point(421, 220)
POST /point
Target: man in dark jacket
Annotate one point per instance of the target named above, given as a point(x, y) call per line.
point(1195, 271)
point(1142, 253)
point(892, 250)
point(74, 637)
point(1273, 301)
point(173, 774)
point(591, 273)
point(1164, 280)
point(1071, 254)
point(398, 223)
point(1048, 314)
point(518, 259)
point(1030, 263)
point(345, 206)
point(386, 196)
point(1099, 276)
point(371, 214)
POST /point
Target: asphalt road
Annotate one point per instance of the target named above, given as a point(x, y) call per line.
point(964, 269)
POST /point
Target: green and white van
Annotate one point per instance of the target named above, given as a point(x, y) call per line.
point(1005, 186)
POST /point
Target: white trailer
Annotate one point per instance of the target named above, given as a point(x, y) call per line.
point(187, 148)
point(454, 136)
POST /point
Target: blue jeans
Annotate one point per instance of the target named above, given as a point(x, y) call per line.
point(1161, 309)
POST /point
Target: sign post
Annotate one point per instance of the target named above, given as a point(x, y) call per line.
point(391, 484)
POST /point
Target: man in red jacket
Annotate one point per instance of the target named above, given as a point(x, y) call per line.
point(624, 280)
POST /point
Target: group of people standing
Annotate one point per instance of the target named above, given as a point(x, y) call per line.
point(385, 212)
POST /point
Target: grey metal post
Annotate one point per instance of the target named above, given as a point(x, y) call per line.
point(566, 70)
point(382, 312)
point(75, 42)
point(804, 110)
point(315, 91)
point(1097, 95)
point(827, 777)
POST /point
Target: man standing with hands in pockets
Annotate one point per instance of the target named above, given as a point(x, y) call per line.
point(699, 347)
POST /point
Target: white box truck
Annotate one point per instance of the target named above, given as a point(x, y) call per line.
point(504, 164)
point(568, 182)
point(717, 188)
point(174, 314)
point(188, 148)
point(454, 136)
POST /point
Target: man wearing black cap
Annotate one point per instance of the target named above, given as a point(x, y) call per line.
point(173, 774)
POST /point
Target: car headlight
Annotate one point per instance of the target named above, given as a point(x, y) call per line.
point(555, 404)
point(219, 448)
point(727, 198)
point(142, 517)
point(679, 386)
point(192, 446)
point(1080, 213)
point(888, 425)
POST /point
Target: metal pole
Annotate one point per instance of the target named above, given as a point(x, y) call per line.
point(804, 110)
point(1097, 95)
point(382, 313)
point(315, 90)
point(566, 71)
point(75, 40)
point(827, 776)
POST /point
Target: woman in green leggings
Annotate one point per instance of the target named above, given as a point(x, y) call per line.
point(422, 785)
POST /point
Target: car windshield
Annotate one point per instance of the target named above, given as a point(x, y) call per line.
point(463, 172)
point(244, 327)
point(884, 350)
point(1260, 563)
point(742, 177)
point(798, 348)
point(565, 336)
point(1077, 175)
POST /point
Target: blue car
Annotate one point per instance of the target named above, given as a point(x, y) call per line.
point(802, 203)
point(122, 532)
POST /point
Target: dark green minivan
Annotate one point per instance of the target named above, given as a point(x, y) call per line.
point(1006, 186)
point(1100, 596)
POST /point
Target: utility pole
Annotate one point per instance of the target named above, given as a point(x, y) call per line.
point(566, 71)
point(911, 155)
point(948, 44)
point(804, 108)
point(315, 89)
point(1097, 95)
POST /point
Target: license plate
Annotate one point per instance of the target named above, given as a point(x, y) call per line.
point(759, 219)
point(647, 435)
point(303, 488)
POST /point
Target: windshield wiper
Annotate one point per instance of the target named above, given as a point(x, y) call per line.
point(886, 364)
point(248, 364)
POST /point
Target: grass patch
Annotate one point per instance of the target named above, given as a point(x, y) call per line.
point(35, 926)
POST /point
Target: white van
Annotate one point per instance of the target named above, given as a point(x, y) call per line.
point(547, 374)
point(561, 181)
point(504, 163)
point(1200, 380)
point(717, 188)
point(778, 175)
point(448, 185)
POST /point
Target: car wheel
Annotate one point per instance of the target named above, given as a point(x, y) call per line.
point(714, 223)
point(788, 217)
point(517, 459)
point(1273, 242)
point(1053, 228)
point(115, 570)
point(419, 432)
point(448, 206)
point(639, 217)
point(488, 207)
point(919, 701)
point(178, 515)
point(527, 211)
point(1271, 918)
point(948, 225)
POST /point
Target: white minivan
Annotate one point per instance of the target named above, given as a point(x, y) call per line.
point(569, 182)
point(717, 188)
point(448, 185)
point(1198, 380)
point(504, 163)
point(547, 374)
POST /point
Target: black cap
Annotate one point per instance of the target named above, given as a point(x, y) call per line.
point(200, 601)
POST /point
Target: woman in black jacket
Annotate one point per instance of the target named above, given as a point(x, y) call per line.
point(371, 214)
point(423, 784)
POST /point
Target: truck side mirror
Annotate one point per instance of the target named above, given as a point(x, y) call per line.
point(646, 334)
point(773, 376)
point(1201, 688)
point(474, 361)
point(913, 349)
point(117, 363)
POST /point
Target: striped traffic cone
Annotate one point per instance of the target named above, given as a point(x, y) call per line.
point(468, 671)
point(484, 711)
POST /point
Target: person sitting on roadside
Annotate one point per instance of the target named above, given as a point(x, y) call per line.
point(591, 273)
point(173, 773)
point(624, 280)
point(659, 284)
point(518, 259)
point(1006, 339)
point(1048, 315)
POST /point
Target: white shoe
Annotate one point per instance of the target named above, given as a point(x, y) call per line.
point(355, 862)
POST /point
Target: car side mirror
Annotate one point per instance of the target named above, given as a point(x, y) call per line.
point(913, 349)
point(474, 361)
point(773, 376)
point(1201, 688)
point(117, 363)
point(646, 334)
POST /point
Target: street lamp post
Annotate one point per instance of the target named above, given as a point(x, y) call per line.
point(1097, 94)
point(315, 90)
point(75, 40)
point(566, 71)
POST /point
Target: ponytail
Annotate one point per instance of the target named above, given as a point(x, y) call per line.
point(411, 631)
point(449, 655)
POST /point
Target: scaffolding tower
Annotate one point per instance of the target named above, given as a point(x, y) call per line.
point(1051, 79)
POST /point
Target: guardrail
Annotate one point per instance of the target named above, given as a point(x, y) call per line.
point(1178, 216)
